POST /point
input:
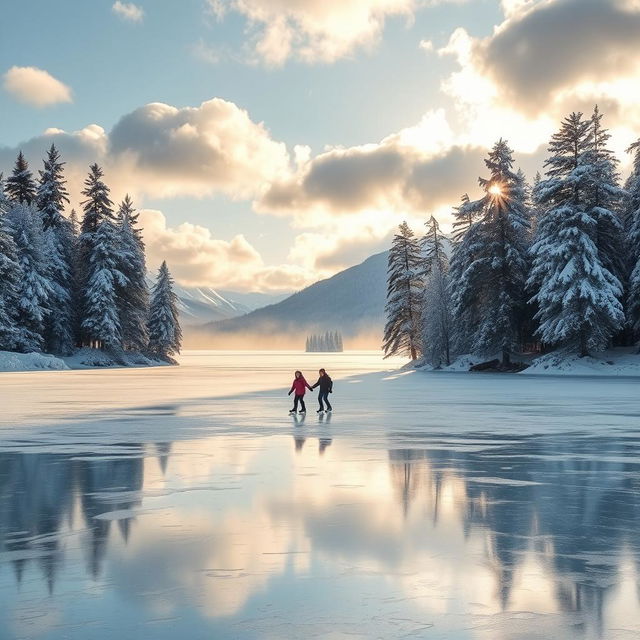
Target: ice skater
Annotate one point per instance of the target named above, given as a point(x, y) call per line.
point(326, 387)
point(300, 385)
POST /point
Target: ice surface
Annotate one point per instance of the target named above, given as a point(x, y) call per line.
point(184, 502)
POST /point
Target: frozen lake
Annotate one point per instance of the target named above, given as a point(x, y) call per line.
point(184, 503)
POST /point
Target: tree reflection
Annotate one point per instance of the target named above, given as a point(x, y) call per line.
point(39, 493)
point(550, 496)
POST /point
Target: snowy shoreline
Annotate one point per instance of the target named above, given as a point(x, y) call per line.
point(11, 361)
point(621, 361)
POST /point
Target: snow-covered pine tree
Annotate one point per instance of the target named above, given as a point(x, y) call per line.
point(59, 246)
point(10, 276)
point(101, 322)
point(632, 225)
point(73, 221)
point(133, 299)
point(402, 332)
point(340, 343)
point(437, 320)
point(20, 186)
point(464, 301)
point(606, 200)
point(464, 216)
point(498, 272)
point(165, 335)
point(436, 309)
point(34, 288)
point(578, 298)
point(97, 208)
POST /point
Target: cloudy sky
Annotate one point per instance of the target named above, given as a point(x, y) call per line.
point(273, 142)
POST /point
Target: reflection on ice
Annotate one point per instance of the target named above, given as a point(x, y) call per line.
point(428, 516)
point(445, 537)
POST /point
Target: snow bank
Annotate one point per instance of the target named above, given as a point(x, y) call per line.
point(91, 358)
point(622, 361)
point(615, 362)
point(81, 359)
point(10, 361)
point(461, 364)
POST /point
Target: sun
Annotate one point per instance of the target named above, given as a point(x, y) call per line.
point(495, 190)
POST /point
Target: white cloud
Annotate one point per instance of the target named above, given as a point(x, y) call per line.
point(164, 151)
point(128, 11)
point(196, 258)
point(213, 148)
point(543, 61)
point(426, 45)
point(313, 30)
point(36, 87)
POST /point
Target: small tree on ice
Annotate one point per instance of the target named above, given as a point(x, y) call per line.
point(165, 335)
point(402, 331)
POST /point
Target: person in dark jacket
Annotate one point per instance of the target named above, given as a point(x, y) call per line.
point(300, 385)
point(326, 387)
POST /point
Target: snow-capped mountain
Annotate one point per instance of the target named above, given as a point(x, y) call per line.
point(351, 302)
point(201, 305)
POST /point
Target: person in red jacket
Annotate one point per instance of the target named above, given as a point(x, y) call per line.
point(300, 385)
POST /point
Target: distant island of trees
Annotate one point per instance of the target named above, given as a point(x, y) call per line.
point(67, 284)
point(329, 342)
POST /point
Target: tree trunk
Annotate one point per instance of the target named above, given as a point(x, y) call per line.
point(506, 358)
point(414, 355)
point(584, 352)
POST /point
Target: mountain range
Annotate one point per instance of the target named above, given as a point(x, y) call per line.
point(351, 302)
point(201, 305)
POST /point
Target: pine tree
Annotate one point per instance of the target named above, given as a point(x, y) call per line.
point(59, 243)
point(10, 277)
point(402, 332)
point(499, 269)
point(464, 300)
point(433, 247)
point(73, 221)
point(436, 318)
point(605, 199)
point(464, 216)
point(101, 322)
point(97, 208)
point(436, 310)
point(165, 335)
point(20, 187)
point(34, 288)
point(577, 296)
point(133, 299)
point(632, 224)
